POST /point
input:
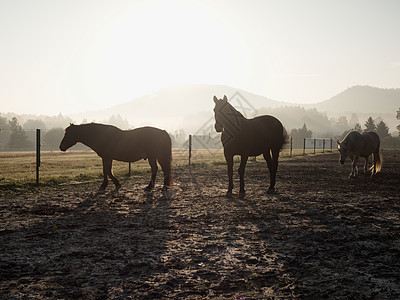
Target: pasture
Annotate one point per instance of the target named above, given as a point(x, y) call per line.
point(321, 235)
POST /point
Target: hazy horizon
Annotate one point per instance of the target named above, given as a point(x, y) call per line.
point(75, 56)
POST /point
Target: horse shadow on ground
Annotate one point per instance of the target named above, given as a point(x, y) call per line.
point(90, 251)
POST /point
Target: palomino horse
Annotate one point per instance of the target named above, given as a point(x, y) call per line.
point(112, 143)
point(355, 145)
point(248, 137)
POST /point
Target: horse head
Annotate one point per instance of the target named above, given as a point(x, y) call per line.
point(219, 105)
point(343, 150)
point(70, 138)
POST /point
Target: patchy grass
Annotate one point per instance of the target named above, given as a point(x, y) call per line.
point(18, 169)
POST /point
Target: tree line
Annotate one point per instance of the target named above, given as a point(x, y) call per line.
point(13, 137)
point(379, 127)
point(17, 137)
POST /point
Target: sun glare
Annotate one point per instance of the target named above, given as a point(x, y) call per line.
point(171, 45)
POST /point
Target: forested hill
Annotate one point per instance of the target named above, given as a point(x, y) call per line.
point(362, 99)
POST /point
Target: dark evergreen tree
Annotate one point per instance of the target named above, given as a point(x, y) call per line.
point(370, 125)
point(382, 130)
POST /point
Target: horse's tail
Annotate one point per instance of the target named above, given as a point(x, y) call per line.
point(377, 153)
point(169, 162)
point(170, 166)
point(379, 161)
point(285, 138)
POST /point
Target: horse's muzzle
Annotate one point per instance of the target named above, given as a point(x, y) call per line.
point(218, 127)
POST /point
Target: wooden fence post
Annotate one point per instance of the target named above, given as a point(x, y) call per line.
point(291, 146)
point(190, 148)
point(314, 145)
point(37, 155)
point(304, 146)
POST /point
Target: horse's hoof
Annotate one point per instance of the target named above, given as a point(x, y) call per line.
point(116, 190)
point(229, 194)
point(166, 192)
point(271, 190)
point(101, 190)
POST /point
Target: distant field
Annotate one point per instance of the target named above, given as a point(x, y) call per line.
point(18, 169)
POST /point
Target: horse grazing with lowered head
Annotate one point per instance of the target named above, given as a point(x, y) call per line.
point(356, 145)
point(248, 137)
point(112, 143)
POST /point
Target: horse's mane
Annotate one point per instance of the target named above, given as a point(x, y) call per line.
point(349, 135)
point(235, 111)
point(98, 126)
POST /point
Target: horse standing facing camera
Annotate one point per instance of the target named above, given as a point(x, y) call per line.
point(356, 145)
point(248, 137)
point(112, 143)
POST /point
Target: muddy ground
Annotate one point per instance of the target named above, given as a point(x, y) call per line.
point(321, 236)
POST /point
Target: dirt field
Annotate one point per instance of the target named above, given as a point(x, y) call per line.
point(321, 236)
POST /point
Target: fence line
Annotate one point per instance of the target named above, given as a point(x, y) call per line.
point(205, 142)
point(194, 152)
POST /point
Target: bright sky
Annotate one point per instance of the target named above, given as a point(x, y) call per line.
point(78, 55)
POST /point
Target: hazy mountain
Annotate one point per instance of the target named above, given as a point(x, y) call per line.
point(170, 107)
point(190, 106)
point(362, 99)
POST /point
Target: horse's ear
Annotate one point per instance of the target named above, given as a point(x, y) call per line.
point(225, 98)
point(215, 100)
point(338, 142)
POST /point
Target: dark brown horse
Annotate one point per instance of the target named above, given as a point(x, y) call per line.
point(112, 143)
point(248, 137)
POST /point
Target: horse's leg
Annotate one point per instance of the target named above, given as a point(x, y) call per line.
point(373, 169)
point(154, 168)
point(267, 157)
point(275, 159)
point(229, 162)
point(366, 165)
point(241, 169)
point(166, 168)
point(354, 159)
point(107, 166)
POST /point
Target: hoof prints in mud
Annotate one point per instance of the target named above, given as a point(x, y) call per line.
point(321, 235)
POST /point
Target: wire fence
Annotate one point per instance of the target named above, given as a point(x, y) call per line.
point(40, 160)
